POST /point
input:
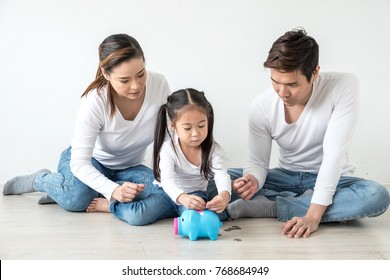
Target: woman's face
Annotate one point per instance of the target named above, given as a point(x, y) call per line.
point(128, 78)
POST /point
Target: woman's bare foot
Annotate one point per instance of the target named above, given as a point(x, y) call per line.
point(99, 205)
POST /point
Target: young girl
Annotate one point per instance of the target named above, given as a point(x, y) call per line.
point(185, 156)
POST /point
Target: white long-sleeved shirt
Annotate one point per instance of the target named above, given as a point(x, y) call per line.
point(179, 176)
point(113, 141)
point(318, 142)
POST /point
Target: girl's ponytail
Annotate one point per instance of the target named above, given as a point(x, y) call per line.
point(159, 136)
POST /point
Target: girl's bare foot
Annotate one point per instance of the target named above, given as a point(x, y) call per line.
point(99, 205)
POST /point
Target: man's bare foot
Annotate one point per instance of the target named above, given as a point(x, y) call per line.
point(99, 205)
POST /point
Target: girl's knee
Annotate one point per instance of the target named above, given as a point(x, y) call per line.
point(139, 222)
point(137, 219)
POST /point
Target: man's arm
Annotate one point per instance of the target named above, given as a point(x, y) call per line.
point(336, 144)
point(259, 153)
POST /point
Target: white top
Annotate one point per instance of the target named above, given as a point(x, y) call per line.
point(114, 142)
point(318, 142)
point(178, 175)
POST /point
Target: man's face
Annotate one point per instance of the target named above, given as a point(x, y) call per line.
point(292, 87)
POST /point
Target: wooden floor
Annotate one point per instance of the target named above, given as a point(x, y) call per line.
point(46, 232)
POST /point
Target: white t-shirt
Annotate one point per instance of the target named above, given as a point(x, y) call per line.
point(179, 176)
point(318, 142)
point(113, 141)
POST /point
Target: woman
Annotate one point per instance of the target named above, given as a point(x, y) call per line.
point(114, 127)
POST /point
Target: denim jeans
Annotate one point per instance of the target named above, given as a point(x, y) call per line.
point(73, 195)
point(355, 197)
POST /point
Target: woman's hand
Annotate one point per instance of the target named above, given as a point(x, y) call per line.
point(127, 192)
point(246, 186)
point(192, 201)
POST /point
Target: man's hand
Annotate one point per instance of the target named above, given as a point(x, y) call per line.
point(299, 227)
point(127, 192)
point(246, 186)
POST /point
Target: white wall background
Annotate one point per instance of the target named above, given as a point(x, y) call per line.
point(48, 53)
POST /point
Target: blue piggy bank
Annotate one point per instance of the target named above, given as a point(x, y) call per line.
point(196, 224)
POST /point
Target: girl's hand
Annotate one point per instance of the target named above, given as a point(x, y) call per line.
point(192, 201)
point(127, 192)
point(219, 202)
point(246, 186)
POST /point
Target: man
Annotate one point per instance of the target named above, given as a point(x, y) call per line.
point(311, 117)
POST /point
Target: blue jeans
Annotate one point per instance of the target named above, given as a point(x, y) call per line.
point(355, 197)
point(73, 195)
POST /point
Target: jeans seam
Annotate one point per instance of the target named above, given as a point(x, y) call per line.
point(374, 214)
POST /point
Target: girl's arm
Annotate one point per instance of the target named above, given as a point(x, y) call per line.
point(167, 172)
point(222, 181)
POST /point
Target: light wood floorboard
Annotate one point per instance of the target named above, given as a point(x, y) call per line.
point(40, 232)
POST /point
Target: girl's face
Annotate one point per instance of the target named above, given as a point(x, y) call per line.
point(129, 78)
point(191, 127)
